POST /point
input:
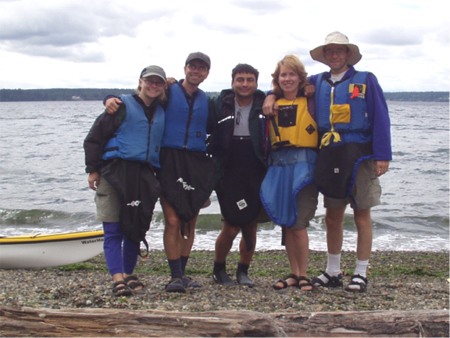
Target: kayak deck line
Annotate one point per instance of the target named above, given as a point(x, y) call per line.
point(41, 238)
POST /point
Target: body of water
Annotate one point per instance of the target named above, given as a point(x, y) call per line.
point(43, 187)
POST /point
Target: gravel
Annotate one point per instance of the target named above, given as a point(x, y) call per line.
point(397, 281)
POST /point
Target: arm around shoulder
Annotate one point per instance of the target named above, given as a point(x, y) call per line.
point(268, 105)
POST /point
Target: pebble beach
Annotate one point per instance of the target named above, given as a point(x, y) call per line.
point(397, 281)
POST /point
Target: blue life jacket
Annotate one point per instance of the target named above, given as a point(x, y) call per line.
point(186, 124)
point(137, 138)
point(341, 109)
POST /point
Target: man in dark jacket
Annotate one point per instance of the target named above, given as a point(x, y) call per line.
point(237, 145)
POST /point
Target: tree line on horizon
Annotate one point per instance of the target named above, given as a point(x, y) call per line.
point(97, 94)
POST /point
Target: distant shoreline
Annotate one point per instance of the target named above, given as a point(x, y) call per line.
point(97, 94)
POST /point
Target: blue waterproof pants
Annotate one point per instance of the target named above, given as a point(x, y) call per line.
point(120, 253)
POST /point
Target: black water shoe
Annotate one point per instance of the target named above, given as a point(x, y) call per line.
point(221, 277)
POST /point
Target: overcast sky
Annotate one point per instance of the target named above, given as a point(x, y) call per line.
point(106, 43)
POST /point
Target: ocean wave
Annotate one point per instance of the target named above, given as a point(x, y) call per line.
point(32, 221)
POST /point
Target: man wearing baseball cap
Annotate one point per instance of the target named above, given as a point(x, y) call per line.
point(199, 56)
point(187, 173)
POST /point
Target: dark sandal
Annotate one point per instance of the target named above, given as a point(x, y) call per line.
point(188, 282)
point(285, 283)
point(358, 283)
point(134, 284)
point(120, 288)
point(306, 285)
point(332, 281)
point(175, 285)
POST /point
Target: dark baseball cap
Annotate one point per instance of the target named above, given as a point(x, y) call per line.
point(154, 71)
point(199, 56)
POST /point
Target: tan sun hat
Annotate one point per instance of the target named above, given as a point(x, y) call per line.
point(336, 38)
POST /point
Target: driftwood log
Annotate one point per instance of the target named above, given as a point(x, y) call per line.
point(126, 323)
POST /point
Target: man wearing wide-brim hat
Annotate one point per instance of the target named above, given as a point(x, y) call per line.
point(355, 149)
point(337, 38)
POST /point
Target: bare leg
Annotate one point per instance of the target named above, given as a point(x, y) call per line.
point(297, 247)
point(224, 242)
point(186, 243)
point(245, 254)
point(334, 219)
point(172, 234)
point(363, 223)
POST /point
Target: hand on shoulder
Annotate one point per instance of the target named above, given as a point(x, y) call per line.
point(112, 105)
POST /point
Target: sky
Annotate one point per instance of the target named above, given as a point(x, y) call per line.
point(106, 43)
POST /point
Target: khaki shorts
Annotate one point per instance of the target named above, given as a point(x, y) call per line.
point(107, 202)
point(366, 192)
point(307, 200)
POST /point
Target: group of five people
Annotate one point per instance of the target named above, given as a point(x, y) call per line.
point(267, 157)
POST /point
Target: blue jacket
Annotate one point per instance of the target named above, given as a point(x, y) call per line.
point(340, 111)
point(375, 105)
point(186, 120)
point(127, 143)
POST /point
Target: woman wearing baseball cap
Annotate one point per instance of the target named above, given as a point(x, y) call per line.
point(122, 157)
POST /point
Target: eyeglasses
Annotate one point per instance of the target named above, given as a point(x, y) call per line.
point(194, 67)
point(156, 83)
point(337, 51)
point(238, 117)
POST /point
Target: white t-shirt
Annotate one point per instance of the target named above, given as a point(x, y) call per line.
point(337, 77)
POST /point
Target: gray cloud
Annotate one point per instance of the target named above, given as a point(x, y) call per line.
point(67, 31)
point(391, 36)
